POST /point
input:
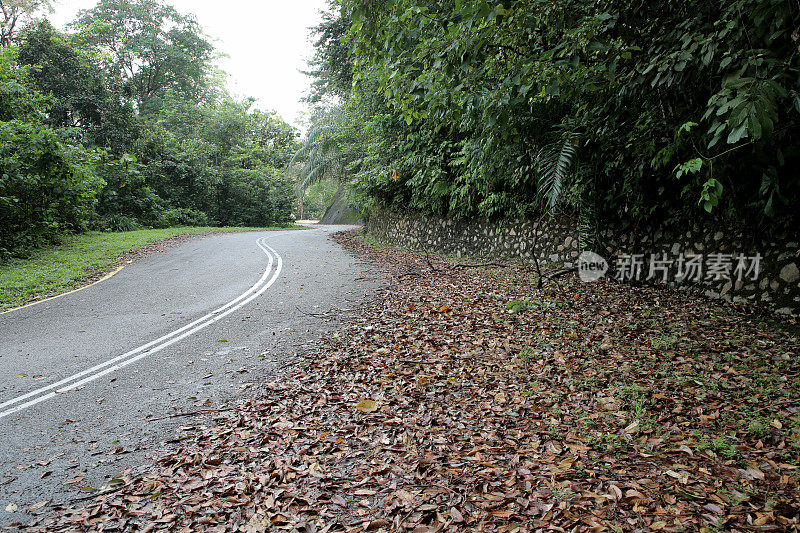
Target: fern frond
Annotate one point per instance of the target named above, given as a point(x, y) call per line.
point(555, 161)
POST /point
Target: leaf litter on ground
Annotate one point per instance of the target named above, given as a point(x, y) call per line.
point(593, 407)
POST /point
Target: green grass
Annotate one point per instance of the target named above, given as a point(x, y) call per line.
point(57, 269)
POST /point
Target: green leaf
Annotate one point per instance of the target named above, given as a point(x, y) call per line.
point(692, 166)
point(516, 306)
point(754, 126)
point(737, 134)
point(769, 207)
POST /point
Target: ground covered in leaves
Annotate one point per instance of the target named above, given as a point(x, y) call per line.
point(467, 400)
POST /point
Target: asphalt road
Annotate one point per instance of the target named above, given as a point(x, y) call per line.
point(87, 379)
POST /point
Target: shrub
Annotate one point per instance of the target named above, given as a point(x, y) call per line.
point(47, 185)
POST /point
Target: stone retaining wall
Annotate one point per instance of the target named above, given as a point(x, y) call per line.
point(733, 264)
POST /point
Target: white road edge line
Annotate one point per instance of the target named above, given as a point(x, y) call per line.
point(149, 344)
point(155, 346)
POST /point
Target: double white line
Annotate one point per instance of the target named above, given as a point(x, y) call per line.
point(112, 365)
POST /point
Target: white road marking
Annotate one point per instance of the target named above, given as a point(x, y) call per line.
point(121, 361)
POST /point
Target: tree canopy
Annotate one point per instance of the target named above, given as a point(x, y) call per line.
point(664, 110)
point(148, 45)
point(122, 122)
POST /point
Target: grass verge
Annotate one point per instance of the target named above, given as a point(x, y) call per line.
point(81, 259)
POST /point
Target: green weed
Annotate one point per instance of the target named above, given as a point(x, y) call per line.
point(564, 494)
point(662, 341)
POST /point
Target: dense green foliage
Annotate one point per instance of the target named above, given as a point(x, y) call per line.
point(47, 181)
point(645, 110)
point(317, 198)
point(124, 123)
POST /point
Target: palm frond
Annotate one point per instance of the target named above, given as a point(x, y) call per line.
point(322, 148)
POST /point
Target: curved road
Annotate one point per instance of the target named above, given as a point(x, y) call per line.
point(87, 379)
